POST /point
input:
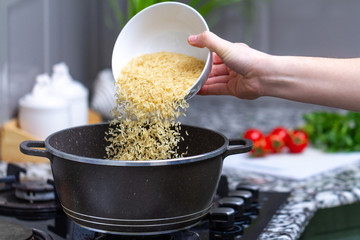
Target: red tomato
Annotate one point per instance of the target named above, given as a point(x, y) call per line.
point(298, 141)
point(276, 142)
point(281, 131)
point(253, 134)
point(260, 148)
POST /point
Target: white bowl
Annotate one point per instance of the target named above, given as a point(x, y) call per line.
point(162, 27)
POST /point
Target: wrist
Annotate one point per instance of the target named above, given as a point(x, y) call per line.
point(270, 79)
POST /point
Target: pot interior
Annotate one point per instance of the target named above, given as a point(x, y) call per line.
point(89, 141)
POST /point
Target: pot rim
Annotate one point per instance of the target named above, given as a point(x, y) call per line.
point(132, 163)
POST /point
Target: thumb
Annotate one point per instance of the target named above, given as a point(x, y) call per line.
point(209, 40)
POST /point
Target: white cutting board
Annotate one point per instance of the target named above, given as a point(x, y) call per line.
point(292, 166)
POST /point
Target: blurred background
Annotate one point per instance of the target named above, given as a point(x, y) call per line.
point(36, 34)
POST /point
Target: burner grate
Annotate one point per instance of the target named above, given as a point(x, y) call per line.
point(34, 191)
point(32, 200)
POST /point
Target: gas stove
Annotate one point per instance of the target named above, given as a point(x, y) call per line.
point(31, 210)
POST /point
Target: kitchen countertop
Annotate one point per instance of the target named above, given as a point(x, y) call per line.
point(331, 189)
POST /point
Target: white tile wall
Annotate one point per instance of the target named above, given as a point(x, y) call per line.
point(35, 35)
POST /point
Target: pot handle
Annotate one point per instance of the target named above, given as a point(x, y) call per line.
point(32, 148)
point(238, 145)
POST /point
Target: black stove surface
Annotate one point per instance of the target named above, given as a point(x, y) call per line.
point(61, 228)
point(268, 204)
point(239, 214)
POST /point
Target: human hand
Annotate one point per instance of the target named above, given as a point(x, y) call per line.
point(246, 73)
point(236, 70)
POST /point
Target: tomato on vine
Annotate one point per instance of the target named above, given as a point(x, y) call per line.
point(253, 134)
point(298, 141)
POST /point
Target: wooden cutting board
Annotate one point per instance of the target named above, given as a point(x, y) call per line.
point(12, 135)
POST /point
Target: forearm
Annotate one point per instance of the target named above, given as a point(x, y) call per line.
point(324, 81)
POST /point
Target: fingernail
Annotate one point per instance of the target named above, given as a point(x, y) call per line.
point(192, 38)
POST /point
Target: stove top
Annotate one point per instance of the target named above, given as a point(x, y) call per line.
point(35, 213)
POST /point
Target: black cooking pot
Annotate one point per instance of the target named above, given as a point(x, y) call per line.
point(134, 197)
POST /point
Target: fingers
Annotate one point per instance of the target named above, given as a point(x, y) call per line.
point(217, 59)
point(209, 40)
point(218, 70)
point(215, 86)
point(217, 79)
point(214, 89)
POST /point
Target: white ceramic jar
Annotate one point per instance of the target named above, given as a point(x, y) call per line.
point(73, 92)
point(41, 113)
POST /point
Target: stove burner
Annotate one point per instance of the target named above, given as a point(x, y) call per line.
point(26, 199)
point(242, 214)
point(14, 231)
point(11, 230)
point(34, 191)
point(10, 205)
point(40, 235)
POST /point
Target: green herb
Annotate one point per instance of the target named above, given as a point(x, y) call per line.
point(333, 131)
point(205, 8)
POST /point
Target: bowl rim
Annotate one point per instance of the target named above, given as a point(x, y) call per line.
point(209, 58)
